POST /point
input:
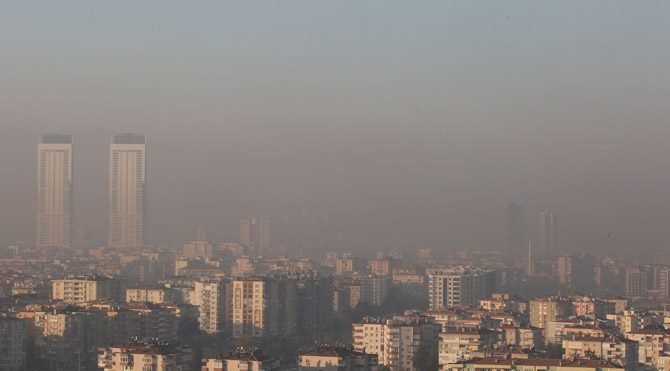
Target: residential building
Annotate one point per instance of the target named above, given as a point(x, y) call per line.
point(459, 344)
point(55, 191)
point(534, 364)
point(240, 360)
point(127, 191)
point(545, 310)
point(211, 299)
point(263, 306)
point(89, 288)
point(332, 358)
point(150, 295)
point(458, 285)
point(143, 356)
point(617, 350)
point(395, 340)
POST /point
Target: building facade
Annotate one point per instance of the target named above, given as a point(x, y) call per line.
point(55, 191)
point(127, 191)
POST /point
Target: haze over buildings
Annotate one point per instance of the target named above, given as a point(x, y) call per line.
point(406, 123)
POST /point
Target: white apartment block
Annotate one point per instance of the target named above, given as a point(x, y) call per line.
point(81, 290)
point(210, 298)
point(395, 341)
point(459, 285)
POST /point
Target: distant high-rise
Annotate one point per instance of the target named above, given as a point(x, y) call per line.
point(515, 227)
point(55, 198)
point(548, 220)
point(530, 269)
point(255, 233)
point(127, 191)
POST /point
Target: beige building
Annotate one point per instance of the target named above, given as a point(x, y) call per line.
point(329, 358)
point(138, 356)
point(522, 336)
point(458, 285)
point(62, 339)
point(459, 344)
point(241, 360)
point(395, 340)
point(55, 196)
point(263, 307)
point(652, 344)
point(12, 344)
point(349, 265)
point(619, 351)
point(514, 364)
point(127, 191)
point(210, 298)
point(543, 311)
point(81, 290)
point(148, 295)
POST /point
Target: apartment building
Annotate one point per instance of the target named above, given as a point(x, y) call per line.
point(83, 289)
point(241, 360)
point(395, 340)
point(149, 295)
point(458, 344)
point(614, 349)
point(331, 358)
point(211, 299)
point(458, 285)
point(545, 310)
point(515, 364)
point(143, 356)
point(264, 306)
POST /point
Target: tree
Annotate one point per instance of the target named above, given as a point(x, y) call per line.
point(427, 359)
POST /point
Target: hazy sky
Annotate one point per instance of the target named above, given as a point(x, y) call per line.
point(410, 123)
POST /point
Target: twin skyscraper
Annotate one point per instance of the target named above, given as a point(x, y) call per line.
point(127, 200)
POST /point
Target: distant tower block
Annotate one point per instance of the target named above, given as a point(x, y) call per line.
point(200, 234)
point(55, 195)
point(548, 221)
point(127, 191)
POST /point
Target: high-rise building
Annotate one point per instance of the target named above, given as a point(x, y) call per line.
point(55, 198)
point(264, 307)
point(515, 227)
point(636, 281)
point(210, 298)
point(255, 234)
point(548, 231)
point(127, 191)
point(314, 303)
point(577, 272)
